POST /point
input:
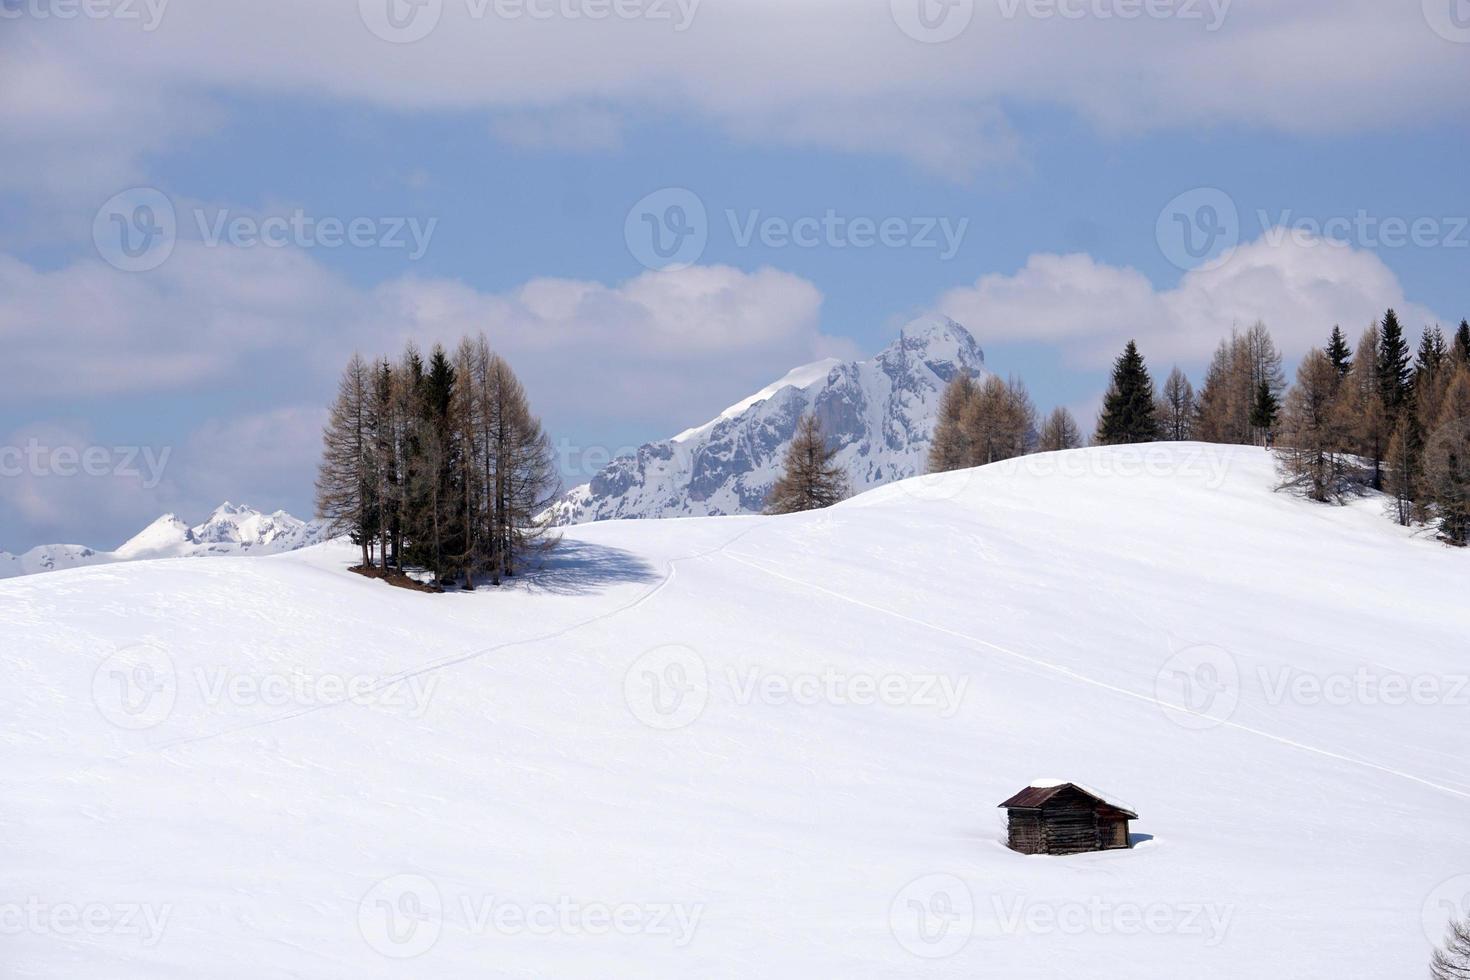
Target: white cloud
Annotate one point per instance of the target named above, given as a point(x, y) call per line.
point(662, 346)
point(830, 73)
point(190, 321)
point(666, 345)
point(1299, 286)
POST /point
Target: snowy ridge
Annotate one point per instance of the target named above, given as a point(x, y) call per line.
point(230, 530)
point(620, 728)
point(880, 412)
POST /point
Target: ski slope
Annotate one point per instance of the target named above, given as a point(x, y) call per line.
point(758, 746)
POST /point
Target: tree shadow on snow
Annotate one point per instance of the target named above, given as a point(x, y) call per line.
point(579, 568)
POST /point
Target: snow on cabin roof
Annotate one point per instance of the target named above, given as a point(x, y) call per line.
point(1042, 790)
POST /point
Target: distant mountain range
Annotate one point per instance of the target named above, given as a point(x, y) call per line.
point(230, 530)
point(879, 412)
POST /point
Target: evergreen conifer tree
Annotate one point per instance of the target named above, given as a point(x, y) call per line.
point(1460, 349)
point(1394, 374)
point(1265, 408)
point(1128, 408)
point(809, 479)
point(1339, 353)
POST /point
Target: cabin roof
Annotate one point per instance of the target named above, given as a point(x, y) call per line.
point(1042, 791)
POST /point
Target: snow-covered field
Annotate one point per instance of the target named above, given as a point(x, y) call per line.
point(760, 746)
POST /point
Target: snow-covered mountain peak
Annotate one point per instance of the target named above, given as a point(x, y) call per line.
point(938, 342)
point(799, 377)
point(162, 536)
point(878, 412)
point(232, 529)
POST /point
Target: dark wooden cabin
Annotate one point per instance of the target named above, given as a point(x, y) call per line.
point(1064, 818)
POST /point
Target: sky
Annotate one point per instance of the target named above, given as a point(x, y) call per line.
point(656, 207)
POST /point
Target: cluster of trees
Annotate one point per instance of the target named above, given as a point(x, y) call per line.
point(440, 466)
point(987, 421)
point(1239, 402)
point(991, 420)
point(1382, 418)
point(1388, 418)
point(1385, 417)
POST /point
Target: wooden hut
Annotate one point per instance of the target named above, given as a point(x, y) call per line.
point(1054, 817)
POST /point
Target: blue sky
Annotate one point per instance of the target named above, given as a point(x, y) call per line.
point(520, 146)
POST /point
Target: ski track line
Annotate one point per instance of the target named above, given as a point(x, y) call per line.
point(456, 659)
point(1083, 678)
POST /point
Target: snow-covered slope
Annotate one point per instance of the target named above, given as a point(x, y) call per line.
point(761, 746)
point(230, 530)
point(880, 412)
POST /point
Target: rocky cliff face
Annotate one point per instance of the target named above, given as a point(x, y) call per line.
point(878, 412)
